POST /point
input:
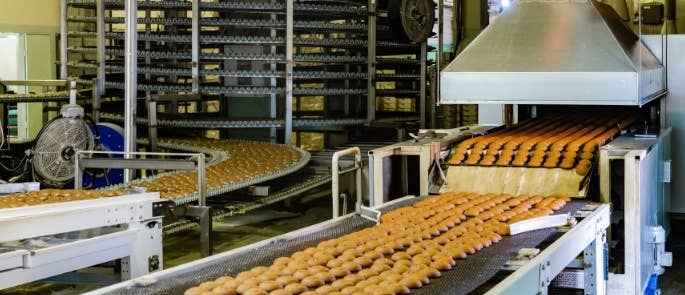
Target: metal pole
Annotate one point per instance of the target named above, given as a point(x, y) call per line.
point(100, 18)
point(422, 87)
point(371, 60)
point(152, 122)
point(202, 197)
point(438, 58)
point(273, 83)
point(96, 101)
point(432, 97)
point(288, 72)
point(78, 174)
point(63, 41)
point(195, 62)
point(148, 30)
point(72, 92)
point(131, 81)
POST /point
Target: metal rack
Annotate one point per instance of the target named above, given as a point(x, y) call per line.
point(235, 53)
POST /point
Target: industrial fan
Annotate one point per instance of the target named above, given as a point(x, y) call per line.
point(415, 18)
point(55, 148)
point(56, 145)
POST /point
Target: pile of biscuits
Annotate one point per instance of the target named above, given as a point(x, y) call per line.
point(246, 159)
point(47, 196)
point(408, 248)
point(551, 142)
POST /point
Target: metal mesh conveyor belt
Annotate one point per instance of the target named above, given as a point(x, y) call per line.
point(465, 277)
point(313, 7)
point(208, 123)
point(37, 97)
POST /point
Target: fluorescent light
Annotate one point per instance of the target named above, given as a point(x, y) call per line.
point(505, 3)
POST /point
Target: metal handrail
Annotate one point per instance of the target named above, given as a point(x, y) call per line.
point(335, 177)
point(196, 162)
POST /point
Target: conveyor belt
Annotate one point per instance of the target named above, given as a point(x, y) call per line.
point(237, 73)
point(37, 97)
point(237, 90)
point(235, 22)
point(259, 123)
point(249, 40)
point(316, 174)
point(232, 5)
point(320, 58)
point(225, 187)
point(465, 277)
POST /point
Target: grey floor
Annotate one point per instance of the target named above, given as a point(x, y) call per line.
point(673, 281)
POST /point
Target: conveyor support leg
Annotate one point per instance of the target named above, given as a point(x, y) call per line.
point(595, 265)
point(146, 252)
point(205, 219)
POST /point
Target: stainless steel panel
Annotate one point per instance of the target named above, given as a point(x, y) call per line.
point(556, 52)
point(676, 117)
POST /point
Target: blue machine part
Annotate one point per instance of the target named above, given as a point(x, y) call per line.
point(653, 285)
point(111, 138)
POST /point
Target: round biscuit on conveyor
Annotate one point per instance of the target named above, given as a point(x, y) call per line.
point(255, 291)
point(587, 155)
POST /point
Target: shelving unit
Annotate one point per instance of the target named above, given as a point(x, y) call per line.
point(279, 68)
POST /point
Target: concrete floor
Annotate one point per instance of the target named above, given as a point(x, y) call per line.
point(673, 281)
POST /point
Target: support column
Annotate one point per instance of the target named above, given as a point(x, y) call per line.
point(422, 87)
point(131, 81)
point(100, 19)
point(63, 74)
point(273, 109)
point(371, 61)
point(595, 260)
point(195, 55)
point(288, 72)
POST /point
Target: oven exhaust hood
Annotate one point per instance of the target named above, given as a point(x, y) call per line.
point(555, 52)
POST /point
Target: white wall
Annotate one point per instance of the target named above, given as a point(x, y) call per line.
point(12, 66)
point(29, 16)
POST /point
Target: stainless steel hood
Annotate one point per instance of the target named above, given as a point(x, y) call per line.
point(554, 52)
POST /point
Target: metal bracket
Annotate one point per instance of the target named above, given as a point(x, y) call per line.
point(335, 177)
point(539, 223)
point(523, 256)
point(370, 214)
point(203, 213)
point(546, 276)
point(667, 171)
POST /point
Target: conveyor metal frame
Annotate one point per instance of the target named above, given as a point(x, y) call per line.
point(427, 149)
point(644, 205)
point(139, 244)
point(587, 236)
point(194, 161)
point(357, 167)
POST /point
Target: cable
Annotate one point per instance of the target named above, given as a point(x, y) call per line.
point(2, 136)
point(14, 168)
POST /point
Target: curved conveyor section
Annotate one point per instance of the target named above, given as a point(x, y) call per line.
point(231, 165)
